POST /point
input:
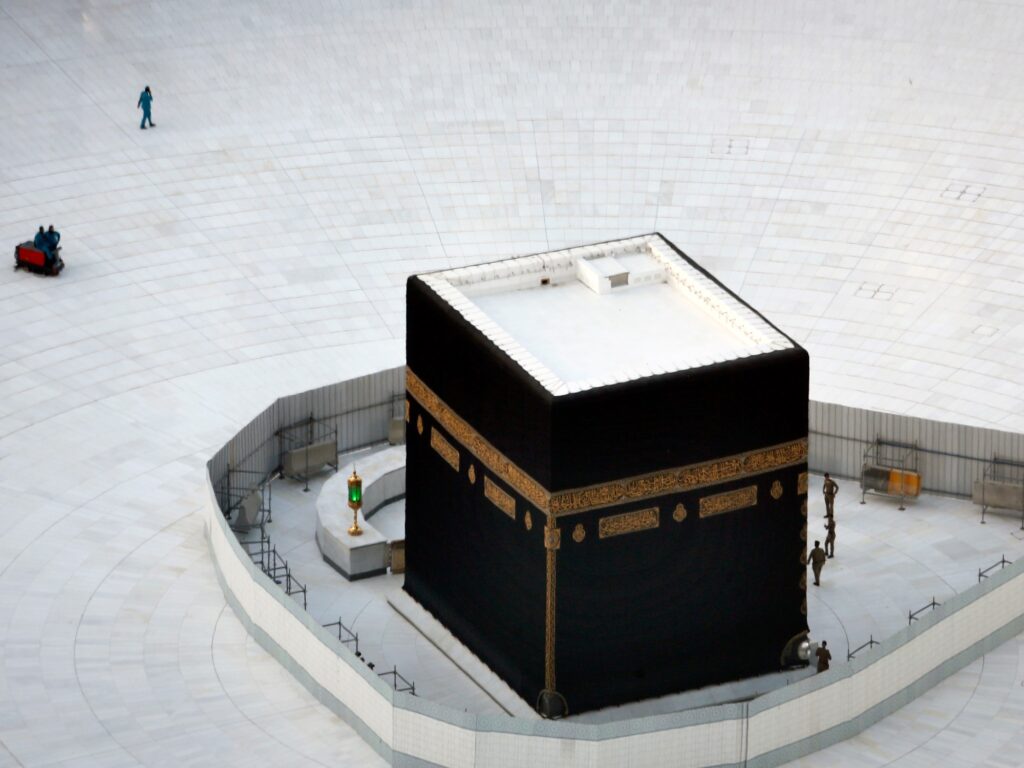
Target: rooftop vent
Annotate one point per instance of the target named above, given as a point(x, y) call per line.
point(605, 272)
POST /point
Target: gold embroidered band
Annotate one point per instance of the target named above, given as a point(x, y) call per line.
point(499, 498)
point(474, 442)
point(729, 501)
point(628, 522)
point(638, 488)
point(446, 450)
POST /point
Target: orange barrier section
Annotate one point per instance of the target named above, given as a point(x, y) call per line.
point(904, 483)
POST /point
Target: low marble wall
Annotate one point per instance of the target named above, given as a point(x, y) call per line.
point(358, 557)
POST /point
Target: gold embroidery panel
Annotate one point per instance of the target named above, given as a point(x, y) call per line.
point(637, 488)
point(579, 533)
point(474, 442)
point(499, 498)
point(729, 501)
point(776, 490)
point(628, 522)
point(445, 450)
point(801, 483)
point(679, 480)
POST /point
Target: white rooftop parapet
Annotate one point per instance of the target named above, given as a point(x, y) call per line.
point(597, 315)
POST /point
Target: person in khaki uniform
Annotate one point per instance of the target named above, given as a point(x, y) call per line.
point(829, 489)
point(830, 536)
point(824, 656)
point(817, 561)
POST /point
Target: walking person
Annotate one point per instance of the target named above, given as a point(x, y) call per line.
point(829, 489)
point(824, 656)
point(830, 536)
point(145, 101)
point(817, 562)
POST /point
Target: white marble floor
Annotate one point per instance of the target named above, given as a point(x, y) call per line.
point(888, 563)
point(390, 520)
point(853, 170)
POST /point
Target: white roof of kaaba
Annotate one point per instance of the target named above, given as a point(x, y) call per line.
point(597, 315)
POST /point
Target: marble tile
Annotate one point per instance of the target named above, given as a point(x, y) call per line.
point(854, 173)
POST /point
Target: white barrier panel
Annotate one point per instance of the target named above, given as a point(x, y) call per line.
point(952, 456)
point(310, 459)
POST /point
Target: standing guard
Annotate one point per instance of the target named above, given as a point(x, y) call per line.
point(829, 489)
point(817, 562)
point(830, 536)
point(824, 656)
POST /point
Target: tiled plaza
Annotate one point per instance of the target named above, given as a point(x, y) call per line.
point(854, 171)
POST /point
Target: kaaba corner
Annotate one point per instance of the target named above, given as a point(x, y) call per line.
point(606, 480)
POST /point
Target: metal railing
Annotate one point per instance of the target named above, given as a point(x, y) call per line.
point(398, 682)
point(871, 643)
point(304, 434)
point(346, 635)
point(238, 484)
point(983, 572)
point(266, 556)
point(888, 454)
point(257, 550)
point(293, 586)
point(1001, 472)
point(912, 616)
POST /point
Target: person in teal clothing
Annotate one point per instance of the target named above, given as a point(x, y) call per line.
point(42, 242)
point(53, 238)
point(145, 100)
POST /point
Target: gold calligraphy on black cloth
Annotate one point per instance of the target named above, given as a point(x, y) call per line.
point(638, 488)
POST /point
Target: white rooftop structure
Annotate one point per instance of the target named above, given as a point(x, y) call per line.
point(603, 314)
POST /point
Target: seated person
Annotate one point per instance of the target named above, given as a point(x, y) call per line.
point(42, 243)
point(53, 238)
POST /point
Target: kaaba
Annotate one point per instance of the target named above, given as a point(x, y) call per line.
point(606, 480)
